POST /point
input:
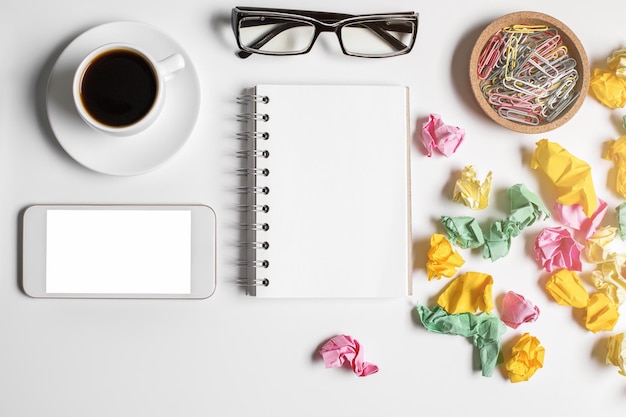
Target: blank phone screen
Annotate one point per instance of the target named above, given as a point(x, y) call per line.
point(118, 251)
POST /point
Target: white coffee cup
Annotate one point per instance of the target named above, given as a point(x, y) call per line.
point(119, 89)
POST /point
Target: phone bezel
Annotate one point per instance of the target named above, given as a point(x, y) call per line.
point(203, 250)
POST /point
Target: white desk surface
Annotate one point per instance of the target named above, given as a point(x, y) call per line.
point(234, 355)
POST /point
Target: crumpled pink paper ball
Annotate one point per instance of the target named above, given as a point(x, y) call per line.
point(440, 136)
point(344, 349)
point(555, 248)
point(517, 310)
point(573, 216)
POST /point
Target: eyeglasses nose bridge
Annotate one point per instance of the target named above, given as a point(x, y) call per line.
point(328, 27)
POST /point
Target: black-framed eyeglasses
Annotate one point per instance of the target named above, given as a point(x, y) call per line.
point(293, 32)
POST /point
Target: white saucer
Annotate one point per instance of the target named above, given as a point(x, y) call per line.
point(129, 155)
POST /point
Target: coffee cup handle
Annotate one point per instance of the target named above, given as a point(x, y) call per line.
point(169, 66)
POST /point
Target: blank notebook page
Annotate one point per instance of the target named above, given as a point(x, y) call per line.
point(339, 200)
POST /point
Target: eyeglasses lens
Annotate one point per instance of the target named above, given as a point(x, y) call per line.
point(374, 38)
point(276, 35)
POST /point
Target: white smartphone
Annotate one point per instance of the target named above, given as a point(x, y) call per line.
point(119, 251)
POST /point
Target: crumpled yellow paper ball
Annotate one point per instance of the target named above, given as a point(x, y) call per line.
point(526, 358)
point(617, 62)
point(616, 352)
point(567, 289)
point(470, 191)
point(468, 293)
point(608, 88)
point(443, 260)
point(598, 247)
point(607, 277)
point(615, 151)
point(570, 175)
point(601, 314)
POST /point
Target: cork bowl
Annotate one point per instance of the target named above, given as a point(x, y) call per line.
point(530, 112)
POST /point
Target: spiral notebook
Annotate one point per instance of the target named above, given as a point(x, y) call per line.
point(327, 191)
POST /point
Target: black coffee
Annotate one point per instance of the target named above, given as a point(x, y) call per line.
point(118, 88)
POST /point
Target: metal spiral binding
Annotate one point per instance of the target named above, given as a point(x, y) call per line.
point(255, 264)
point(254, 120)
point(244, 282)
point(247, 98)
point(259, 117)
point(253, 154)
point(256, 226)
point(258, 208)
point(256, 245)
point(253, 135)
point(254, 171)
point(255, 190)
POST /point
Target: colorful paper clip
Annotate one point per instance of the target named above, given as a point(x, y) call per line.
point(490, 56)
point(520, 116)
point(525, 28)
